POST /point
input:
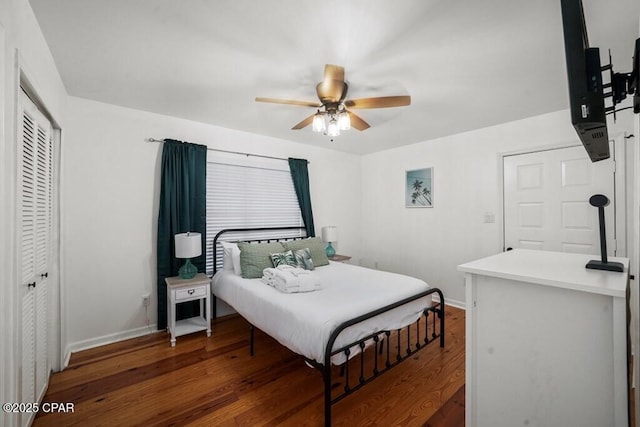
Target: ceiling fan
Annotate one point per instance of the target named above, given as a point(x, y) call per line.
point(333, 110)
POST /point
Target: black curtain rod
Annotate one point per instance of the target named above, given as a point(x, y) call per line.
point(232, 152)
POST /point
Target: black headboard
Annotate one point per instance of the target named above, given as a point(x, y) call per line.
point(255, 235)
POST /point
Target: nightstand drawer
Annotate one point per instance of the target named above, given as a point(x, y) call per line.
point(188, 293)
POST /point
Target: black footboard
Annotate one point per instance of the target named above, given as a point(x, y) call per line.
point(391, 348)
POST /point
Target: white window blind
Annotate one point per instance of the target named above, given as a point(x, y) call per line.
point(248, 192)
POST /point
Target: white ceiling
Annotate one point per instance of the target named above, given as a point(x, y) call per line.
point(467, 64)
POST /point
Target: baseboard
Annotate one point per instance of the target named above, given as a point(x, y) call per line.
point(65, 362)
point(451, 302)
point(106, 339)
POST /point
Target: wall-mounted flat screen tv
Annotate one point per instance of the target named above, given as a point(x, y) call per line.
point(586, 100)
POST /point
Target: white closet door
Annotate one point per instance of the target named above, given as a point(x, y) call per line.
point(42, 195)
point(27, 205)
point(34, 236)
point(42, 339)
point(546, 201)
point(28, 348)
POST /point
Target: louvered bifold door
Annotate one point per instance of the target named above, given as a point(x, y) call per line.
point(35, 179)
point(28, 194)
point(42, 191)
point(42, 251)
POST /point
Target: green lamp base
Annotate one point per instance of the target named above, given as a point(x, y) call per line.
point(330, 251)
point(188, 270)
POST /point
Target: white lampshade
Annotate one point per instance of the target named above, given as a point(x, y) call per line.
point(188, 245)
point(332, 128)
point(344, 122)
point(318, 123)
point(330, 234)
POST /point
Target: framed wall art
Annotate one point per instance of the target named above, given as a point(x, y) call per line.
point(418, 191)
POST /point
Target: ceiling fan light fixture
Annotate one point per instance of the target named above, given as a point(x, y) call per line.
point(344, 122)
point(318, 122)
point(332, 100)
point(333, 129)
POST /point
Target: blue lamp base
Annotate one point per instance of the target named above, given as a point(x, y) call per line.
point(188, 270)
point(330, 251)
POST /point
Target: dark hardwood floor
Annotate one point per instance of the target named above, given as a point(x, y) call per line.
point(214, 382)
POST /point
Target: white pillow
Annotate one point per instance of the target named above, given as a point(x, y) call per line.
point(227, 264)
point(231, 257)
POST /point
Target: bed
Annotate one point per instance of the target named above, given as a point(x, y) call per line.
point(356, 309)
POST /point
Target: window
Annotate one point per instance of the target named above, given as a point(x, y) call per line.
point(248, 192)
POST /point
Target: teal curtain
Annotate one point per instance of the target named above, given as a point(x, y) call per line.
point(300, 176)
point(182, 209)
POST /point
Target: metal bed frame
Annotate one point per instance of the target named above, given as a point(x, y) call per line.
point(384, 358)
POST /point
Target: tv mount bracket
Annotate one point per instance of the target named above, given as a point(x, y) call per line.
point(622, 84)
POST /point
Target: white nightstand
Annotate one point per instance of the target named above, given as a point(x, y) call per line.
point(182, 290)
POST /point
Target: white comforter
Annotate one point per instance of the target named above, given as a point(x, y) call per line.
point(303, 322)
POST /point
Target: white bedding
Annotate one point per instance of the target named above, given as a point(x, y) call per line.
point(303, 322)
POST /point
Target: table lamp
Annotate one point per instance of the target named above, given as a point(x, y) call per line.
point(188, 245)
point(330, 235)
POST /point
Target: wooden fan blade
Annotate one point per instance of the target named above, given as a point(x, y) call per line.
point(290, 102)
point(357, 121)
point(379, 102)
point(306, 122)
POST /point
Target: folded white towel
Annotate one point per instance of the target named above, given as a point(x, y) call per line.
point(292, 269)
point(267, 275)
point(291, 279)
point(304, 283)
point(283, 278)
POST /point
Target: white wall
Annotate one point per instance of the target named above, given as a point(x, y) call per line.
point(19, 32)
point(110, 207)
point(430, 243)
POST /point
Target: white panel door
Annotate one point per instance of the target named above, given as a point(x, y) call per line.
point(546, 201)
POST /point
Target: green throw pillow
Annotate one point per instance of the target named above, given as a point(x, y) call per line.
point(255, 257)
point(303, 258)
point(316, 247)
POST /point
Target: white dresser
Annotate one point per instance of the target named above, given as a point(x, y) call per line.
point(546, 341)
